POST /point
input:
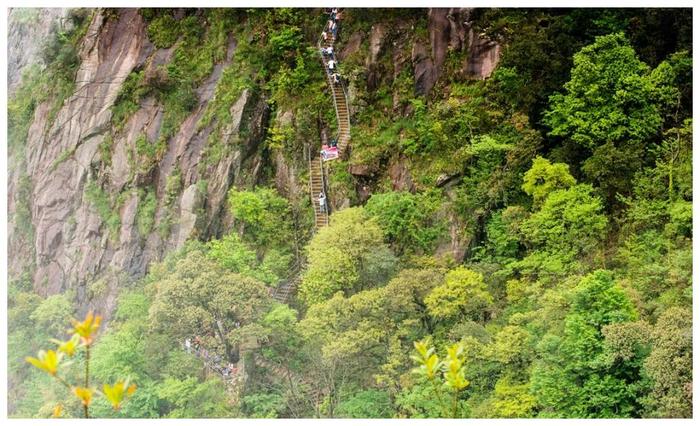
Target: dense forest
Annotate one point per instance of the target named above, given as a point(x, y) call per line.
point(505, 242)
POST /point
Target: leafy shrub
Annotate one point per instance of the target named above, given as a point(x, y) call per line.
point(163, 31)
point(409, 221)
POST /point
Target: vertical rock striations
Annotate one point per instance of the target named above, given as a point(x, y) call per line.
point(75, 240)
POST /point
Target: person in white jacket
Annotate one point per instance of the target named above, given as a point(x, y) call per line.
point(322, 202)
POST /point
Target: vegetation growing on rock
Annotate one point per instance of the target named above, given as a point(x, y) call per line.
point(506, 241)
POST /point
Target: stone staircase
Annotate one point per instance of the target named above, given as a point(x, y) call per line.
point(316, 187)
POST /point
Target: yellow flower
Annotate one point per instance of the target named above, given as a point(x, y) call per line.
point(68, 347)
point(47, 361)
point(87, 329)
point(115, 394)
point(83, 394)
point(57, 411)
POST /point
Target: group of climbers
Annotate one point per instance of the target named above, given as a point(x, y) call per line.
point(332, 28)
point(330, 151)
point(215, 362)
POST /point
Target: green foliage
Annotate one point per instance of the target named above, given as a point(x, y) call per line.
point(538, 331)
point(610, 97)
point(263, 213)
point(163, 31)
point(105, 209)
point(132, 90)
point(545, 177)
point(462, 295)
point(233, 254)
point(669, 365)
point(52, 313)
point(408, 220)
point(502, 238)
point(54, 83)
point(197, 297)
point(263, 405)
point(570, 223)
point(22, 218)
point(368, 404)
point(613, 103)
point(608, 387)
point(449, 125)
point(348, 256)
point(512, 400)
point(189, 398)
point(146, 214)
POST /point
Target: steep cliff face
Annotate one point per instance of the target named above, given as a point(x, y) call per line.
point(28, 30)
point(101, 212)
point(70, 177)
point(451, 30)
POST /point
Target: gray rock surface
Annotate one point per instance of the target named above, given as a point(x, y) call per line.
point(72, 245)
point(27, 31)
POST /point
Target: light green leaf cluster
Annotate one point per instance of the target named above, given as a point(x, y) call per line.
point(462, 294)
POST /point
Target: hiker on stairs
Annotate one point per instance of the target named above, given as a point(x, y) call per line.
point(322, 202)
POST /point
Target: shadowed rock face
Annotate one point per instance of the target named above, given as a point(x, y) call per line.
point(451, 29)
point(72, 244)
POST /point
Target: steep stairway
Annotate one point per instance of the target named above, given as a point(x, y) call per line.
point(340, 98)
point(286, 289)
point(316, 187)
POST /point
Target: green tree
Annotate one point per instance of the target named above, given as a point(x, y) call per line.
point(669, 366)
point(502, 244)
point(199, 298)
point(612, 104)
point(346, 339)
point(512, 347)
point(569, 224)
point(574, 375)
point(52, 313)
point(408, 220)
point(366, 404)
point(263, 214)
point(463, 294)
point(545, 177)
point(512, 400)
point(349, 256)
point(189, 398)
point(233, 254)
point(263, 405)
